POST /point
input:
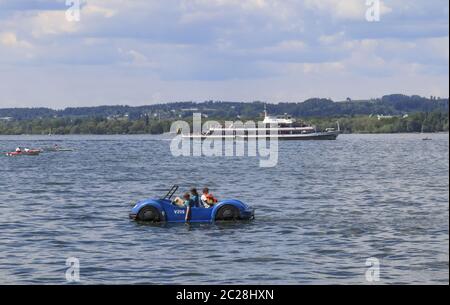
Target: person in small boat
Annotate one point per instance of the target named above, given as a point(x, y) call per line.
point(189, 204)
point(208, 199)
point(179, 202)
point(18, 150)
point(195, 197)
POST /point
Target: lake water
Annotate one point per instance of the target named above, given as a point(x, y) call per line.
point(323, 211)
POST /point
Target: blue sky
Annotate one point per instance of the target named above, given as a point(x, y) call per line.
point(139, 52)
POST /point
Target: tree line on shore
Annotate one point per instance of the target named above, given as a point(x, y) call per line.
point(88, 125)
point(394, 104)
point(417, 122)
point(436, 121)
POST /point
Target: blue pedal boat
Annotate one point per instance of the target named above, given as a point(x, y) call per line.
point(163, 210)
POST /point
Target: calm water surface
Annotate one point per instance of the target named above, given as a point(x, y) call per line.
point(324, 210)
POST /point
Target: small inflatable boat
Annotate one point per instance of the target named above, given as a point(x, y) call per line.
point(25, 152)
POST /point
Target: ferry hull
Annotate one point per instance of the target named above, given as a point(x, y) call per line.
point(312, 138)
point(290, 137)
point(329, 136)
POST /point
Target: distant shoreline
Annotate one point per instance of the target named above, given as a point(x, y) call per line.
point(167, 133)
point(426, 122)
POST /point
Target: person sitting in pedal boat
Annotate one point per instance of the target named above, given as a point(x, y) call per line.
point(179, 202)
point(189, 204)
point(195, 197)
point(208, 199)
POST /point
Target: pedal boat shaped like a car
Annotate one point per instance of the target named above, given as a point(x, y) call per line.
point(163, 210)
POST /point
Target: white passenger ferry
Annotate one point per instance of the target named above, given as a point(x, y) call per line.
point(280, 127)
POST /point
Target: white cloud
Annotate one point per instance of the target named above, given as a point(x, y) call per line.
point(137, 59)
point(332, 39)
point(50, 23)
point(9, 39)
point(348, 9)
point(105, 11)
point(247, 4)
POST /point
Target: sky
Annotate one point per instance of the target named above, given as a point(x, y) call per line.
point(139, 52)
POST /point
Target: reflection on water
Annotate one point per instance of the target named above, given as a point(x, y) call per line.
point(325, 209)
